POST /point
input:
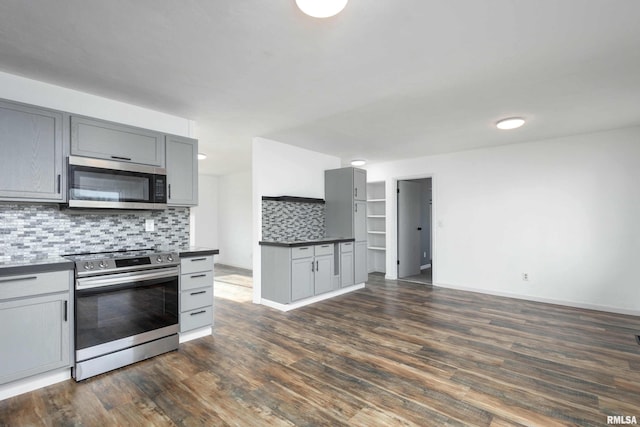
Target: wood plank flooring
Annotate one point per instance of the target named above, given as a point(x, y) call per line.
point(394, 353)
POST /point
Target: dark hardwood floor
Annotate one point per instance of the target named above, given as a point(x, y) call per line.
point(394, 353)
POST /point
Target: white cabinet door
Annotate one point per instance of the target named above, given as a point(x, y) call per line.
point(302, 272)
point(182, 171)
point(359, 184)
point(360, 221)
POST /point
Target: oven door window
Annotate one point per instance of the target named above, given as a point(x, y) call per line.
point(109, 185)
point(110, 313)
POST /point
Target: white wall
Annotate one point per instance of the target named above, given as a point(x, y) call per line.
point(565, 211)
point(283, 170)
point(205, 217)
point(29, 91)
point(235, 223)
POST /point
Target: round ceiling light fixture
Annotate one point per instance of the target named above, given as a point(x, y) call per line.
point(202, 156)
point(321, 8)
point(510, 123)
point(358, 162)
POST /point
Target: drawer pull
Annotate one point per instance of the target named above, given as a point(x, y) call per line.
point(302, 249)
point(198, 312)
point(198, 293)
point(198, 275)
point(324, 246)
point(19, 279)
point(198, 259)
point(121, 158)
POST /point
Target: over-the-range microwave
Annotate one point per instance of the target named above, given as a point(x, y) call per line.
point(99, 184)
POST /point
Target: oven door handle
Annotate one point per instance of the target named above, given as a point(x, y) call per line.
point(126, 279)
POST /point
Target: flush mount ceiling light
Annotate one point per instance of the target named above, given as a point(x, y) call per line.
point(358, 162)
point(510, 123)
point(202, 156)
point(321, 8)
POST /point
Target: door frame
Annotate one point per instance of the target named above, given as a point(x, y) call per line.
point(392, 225)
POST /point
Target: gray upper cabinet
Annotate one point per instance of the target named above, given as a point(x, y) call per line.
point(31, 163)
point(359, 184)
point(112, 141)
point(182, 171)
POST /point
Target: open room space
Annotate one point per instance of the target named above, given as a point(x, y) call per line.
point(319, 212)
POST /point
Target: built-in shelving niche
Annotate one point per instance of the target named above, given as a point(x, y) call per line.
point(376, 226)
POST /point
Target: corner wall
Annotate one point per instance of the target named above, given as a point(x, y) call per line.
point(565, 211)
point(235, 222)
point(282, 170)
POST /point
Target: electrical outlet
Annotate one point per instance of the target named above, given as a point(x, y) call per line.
point(424, 254)
point(525, 277)
point(149, 225)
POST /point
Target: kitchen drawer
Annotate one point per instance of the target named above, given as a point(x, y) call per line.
point(196, 298)
point(196, 264)
point(323, 249)
point(196, 280)
point(302, 252)
point(197, 318)
point(34, 284)
point(346, 247)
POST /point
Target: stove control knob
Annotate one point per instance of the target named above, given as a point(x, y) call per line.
point(169, 258)
point(103, 264)
point(86, 265)
point(159, 259)
point(91, 266)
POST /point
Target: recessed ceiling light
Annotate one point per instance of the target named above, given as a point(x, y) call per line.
point(321, 8)
point(510, 123)
point(202, 156)
point(358, 162)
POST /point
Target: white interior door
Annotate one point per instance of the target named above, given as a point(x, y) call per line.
point(408, 228)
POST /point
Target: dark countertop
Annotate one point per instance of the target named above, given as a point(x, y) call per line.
point(196, 251)
point(34, 265)
point(296, 243)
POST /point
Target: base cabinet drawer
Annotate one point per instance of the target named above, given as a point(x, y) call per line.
point(196, 280)
point(196, 264)
point(196, 298)
point(197, 318)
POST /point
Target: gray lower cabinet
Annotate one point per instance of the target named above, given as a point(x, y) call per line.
point(361, 273)
point(182, 171)
point(196, 292)
point(36, 314)
point(113, 141)
point(294, 274)
point(346, 264)
point(31, 163)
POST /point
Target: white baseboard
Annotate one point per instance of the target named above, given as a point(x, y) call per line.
point(575, 304)
point(298, 304)
point(198, 333)
point(33, 383)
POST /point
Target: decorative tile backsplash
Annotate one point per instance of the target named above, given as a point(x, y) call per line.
point(32, 230)
point(291, 221)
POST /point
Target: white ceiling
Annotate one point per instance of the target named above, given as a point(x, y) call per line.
point(382, 80)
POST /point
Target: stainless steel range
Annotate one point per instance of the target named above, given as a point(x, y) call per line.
point(126, 308)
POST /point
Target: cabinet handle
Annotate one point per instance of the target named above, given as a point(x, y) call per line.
point(198, 293)
point(198, 275)
point(302, 249)
point(19, 279)
point(312, 270)
point(120, 158)
point(59, 183)
point(169, 190)
point(198, 259)
point(356, 190)
point(64, 312)
point(317, 266)
point(324, 246)
point(356, 205)
point(198, 312)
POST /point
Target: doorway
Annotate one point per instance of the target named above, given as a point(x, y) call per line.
point(415, 248)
